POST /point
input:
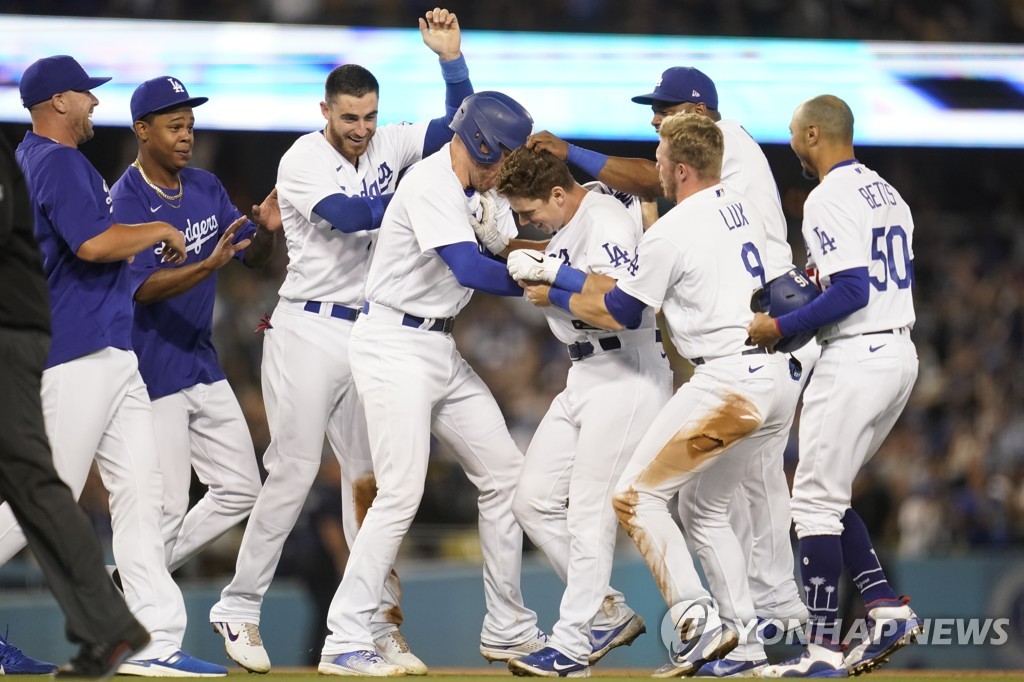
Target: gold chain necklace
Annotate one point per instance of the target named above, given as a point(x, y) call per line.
point(169, 198)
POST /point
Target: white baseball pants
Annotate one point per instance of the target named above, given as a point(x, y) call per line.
point(203, 427)
point(701, 445)
point(308, 391)
point(563, 497)
point(413, 382)
point(851, 404)
point(97, 407)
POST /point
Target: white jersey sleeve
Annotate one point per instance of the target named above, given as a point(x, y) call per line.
point(630, 202)
point(855, 219)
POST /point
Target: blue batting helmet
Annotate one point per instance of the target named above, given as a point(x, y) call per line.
point(488, 121)
point(784, 295)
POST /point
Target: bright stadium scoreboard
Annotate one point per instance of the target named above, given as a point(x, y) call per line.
point(268, 77)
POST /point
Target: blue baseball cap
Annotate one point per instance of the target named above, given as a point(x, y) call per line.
point(682, 84)
point(161, 93)
point(48, 76)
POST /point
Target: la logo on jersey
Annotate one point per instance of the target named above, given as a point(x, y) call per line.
point(175, 85)
point(827, 243)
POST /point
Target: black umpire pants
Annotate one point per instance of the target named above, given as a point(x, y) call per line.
point(58, 530)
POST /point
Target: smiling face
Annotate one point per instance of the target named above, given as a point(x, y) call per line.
point(79, 106)
point(547, 215)
point(169, 137)
point(351, 123)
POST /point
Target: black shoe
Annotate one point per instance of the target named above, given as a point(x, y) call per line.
point(102, 659)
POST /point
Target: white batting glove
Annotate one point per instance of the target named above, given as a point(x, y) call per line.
point(534, 266)
point(485, 225)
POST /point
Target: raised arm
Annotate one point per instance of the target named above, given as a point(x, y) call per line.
point(440, 31)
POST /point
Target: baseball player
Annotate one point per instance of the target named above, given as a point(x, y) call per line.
point(95, 403)
point(760, 513)
point(859, 233)
point(413, 382)
point(333, 187)
point(615, 386)
point(699, 264)
point(196, 417)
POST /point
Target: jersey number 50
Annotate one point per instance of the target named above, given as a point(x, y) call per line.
point(889, 247)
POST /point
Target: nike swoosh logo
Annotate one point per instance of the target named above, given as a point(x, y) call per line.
point(154, 209)
point(539, 260)
point(233, 636)
point(872, 349)
point(559, 666)
point(754, 369)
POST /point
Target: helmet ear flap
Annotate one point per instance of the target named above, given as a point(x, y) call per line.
point(490, 122)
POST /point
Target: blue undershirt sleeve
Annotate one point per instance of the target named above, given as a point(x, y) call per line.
point(847, 293)
point(474, 271)
point(353, 214)
point(626, 310)
point(457, 88)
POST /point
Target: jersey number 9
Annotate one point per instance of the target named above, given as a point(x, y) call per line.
point(752, 262)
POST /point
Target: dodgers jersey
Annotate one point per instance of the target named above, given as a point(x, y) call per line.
point(90, 303)
point(745, 170)
point(326, 264)
point(630, 202)
point(601, 238)
point(855, 219)
point(430, 209)
point(173, 337)
point(700, 263)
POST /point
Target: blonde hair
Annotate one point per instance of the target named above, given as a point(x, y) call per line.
point(696, 141)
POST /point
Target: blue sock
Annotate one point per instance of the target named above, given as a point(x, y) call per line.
point(821, 564)
point(862, 564)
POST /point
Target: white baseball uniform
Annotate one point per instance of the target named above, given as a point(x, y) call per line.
point(413, 382)
point(868, 364)
point(615, 387)
point(759, 513)
point(307, 380)
point(700, 264)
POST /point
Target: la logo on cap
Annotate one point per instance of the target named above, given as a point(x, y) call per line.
point(175, 85)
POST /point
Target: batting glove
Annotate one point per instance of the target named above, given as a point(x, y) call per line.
point(485, 225)
point(534, 266)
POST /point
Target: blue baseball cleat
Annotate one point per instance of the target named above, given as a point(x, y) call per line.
point(548, 662)
point(817, 661)
point(622, 633)
point(889, 628)
point(691, 655)
point(724, 668)
point(14, 662)
point(177, 664)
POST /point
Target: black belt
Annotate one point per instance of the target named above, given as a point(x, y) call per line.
point(750, 351)
point(583, 349)
point(440, 324)
point(338, 311)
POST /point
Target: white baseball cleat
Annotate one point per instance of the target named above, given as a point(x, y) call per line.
point(889, 628)
point(817, 661)
point(395, 650)
point(506, 652)
point(244, 646)
point(362, 663)
point(627, 628)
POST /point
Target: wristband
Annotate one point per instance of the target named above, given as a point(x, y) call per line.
point(586, 160)
point(570, 279)
point(456, 70)
point(560, 298)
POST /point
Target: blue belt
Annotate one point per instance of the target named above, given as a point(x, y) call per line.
point(583, 349)
point(338, 311)
point(751, 351)
point(440, 324)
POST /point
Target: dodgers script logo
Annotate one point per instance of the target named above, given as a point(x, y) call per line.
point(196, 234)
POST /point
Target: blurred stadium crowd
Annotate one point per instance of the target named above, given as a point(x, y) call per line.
point(951, 476)
point(931, 20)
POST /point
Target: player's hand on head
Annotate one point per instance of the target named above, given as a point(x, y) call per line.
point(532, 266)
point(440, 31)
point(546, 142)
point(537, 293)
point(268, 214)
point(763, 331)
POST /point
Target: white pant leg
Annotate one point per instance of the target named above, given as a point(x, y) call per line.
point(400, 374)
point(130, 470)
point(305, 371)
point(850, 405)
point(346, 432)
point(470, 423)
point(721, 405)
point(170, 428)
point(617, 395)
point(225, 462)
